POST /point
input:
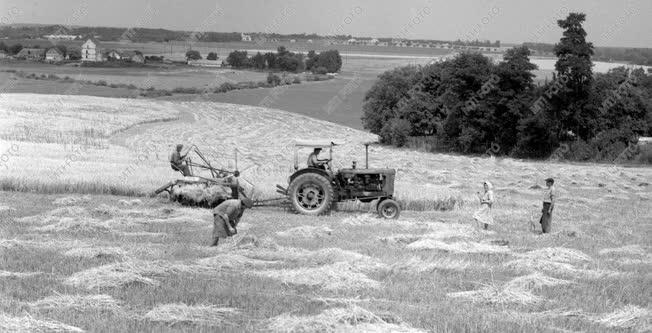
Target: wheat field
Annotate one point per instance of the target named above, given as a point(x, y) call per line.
point(75, 258)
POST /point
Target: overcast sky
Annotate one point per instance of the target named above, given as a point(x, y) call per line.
point(609, 22)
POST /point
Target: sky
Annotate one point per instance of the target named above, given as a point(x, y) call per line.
point(609, 22)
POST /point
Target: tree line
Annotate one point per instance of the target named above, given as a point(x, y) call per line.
point(638, 56)
point(470, 104)
point(284, 60)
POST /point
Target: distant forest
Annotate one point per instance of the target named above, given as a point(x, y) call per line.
point(638, 56)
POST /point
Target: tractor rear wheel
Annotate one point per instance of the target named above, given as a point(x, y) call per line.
point(311, 194)
point(389, 209)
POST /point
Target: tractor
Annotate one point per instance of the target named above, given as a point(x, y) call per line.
point(312, 191)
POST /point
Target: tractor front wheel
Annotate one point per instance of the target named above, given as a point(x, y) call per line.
point(389, 209)
point(311, 194)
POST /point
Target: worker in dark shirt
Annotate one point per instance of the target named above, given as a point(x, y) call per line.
point(226, 217)
point(315, 162)
point(177, 161)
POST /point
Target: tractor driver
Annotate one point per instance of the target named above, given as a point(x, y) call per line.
point(176, 161)
point(315, 162)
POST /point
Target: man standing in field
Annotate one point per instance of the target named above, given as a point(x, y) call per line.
point(548, 204)
point(177, 159)
point(315, 162)
point(226, 217)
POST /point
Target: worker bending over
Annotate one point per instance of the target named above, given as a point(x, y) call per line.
point(226, 217)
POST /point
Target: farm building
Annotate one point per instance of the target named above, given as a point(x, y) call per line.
point(53, 54)
point(134, 56)
point(642, 141)
point(3, 54)
point(125, 55)
point(31, 54)
point(91, 51)
point(245, 37)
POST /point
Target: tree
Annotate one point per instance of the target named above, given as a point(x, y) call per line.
point(311, 59)
point(396, 132)
point(273, 79)
point(193, 55)
point(258, 61)
point(3, 47)
point(291, 62)
point(381, 101)
point(514, 95)
point(237, 59)
point(331, 60)
point(14, 49)
point(270, 60)
point(574, 72)
point(74, 54)
point(62, 49)
point(211, 56)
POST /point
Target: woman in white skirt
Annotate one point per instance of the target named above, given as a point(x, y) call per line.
point(483, 215)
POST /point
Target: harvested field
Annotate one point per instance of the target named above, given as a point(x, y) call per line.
point(496, 295)
point(559, 254)
point(96, 252)
point(458, 247)
point(534, 281)
point(306, 232)
point(72, 200)
point(18, 275)
point(553, 267)
point(149, 254)
point(333, 277)
point(628, 317)
point(126, 273)
point(104, 303)
point(627, 250)
point(416, 265)
point(197, 314)
point(349, 319)
point(27, 323)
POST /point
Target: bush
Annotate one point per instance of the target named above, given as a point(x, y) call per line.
point(101, 83)
point(153, 93)
point(396, 132)
point(319, 70)
point(193, 55)
point(580, 151)
point(184, 90)
point(273, 79)
point(296, 80)
point(225, 87)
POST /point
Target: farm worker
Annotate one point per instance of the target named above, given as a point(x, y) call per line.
point(483, 215)
point(176, 161)
point(548, 204)
point(315, 162)
point(226, 217)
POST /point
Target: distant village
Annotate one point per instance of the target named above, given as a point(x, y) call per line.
point(92, 50)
